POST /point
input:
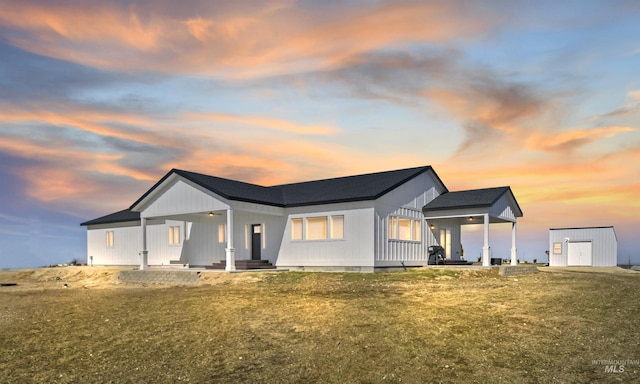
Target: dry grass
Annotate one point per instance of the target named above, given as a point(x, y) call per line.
point(434, 325)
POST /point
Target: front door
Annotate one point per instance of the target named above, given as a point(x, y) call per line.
point(256, 241)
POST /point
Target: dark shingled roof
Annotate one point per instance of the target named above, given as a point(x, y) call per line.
point(118, 217)
point(351, 188)
point(475, 198)
point(337, 190)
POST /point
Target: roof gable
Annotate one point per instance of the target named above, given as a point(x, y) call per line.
point(342, 189)
point(336, 190)
point(476, 198)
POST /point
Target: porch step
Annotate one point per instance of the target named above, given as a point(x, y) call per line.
point(243, 264)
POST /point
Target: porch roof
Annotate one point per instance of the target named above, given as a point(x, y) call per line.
point(118, 217)
point(470, 200)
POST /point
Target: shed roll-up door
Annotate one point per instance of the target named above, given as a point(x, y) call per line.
point(579, 253)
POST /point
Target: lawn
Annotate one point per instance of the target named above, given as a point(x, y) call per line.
point(422, 326)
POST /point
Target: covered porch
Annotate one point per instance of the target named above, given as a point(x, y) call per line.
point(447, 213)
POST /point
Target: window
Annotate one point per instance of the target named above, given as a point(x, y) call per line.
point(403, 228)
point(296, 229)
point(337, 227)
point(445, 241)
point(110, 239)
point(221, 233)
point(417, 230)
point(174, 235)
point(393, 227)
point(316, 228)
point(557, 248)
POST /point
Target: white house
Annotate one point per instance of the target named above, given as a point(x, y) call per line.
point(594, 246)
point(356, 223)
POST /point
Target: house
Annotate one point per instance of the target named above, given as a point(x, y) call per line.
point(591, 246)
point(354, 223)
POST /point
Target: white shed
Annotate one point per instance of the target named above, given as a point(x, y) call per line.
point(592, 247)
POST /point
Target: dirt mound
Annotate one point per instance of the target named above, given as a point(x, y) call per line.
point(56, 278)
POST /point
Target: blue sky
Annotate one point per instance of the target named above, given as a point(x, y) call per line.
point(99, 100)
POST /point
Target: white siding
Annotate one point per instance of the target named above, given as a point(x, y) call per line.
point(127, 244)
point(502, 209)
point(160, 251)
point(405, 201)
point(202, 247)
point(603, 239)
point(355, 250)
point(182, 197)
point(272, 229)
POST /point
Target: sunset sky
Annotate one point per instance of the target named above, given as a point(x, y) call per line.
point(100, 99)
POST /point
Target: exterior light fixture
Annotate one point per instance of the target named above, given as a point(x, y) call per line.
point(211, 214)
point(470, 218)
point(432, 226)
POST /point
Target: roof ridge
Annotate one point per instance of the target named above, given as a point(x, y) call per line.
point(424, 167)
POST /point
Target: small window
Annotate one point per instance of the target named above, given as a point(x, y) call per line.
point(557, 248)
point(417, 230)
point(337, 227)
point(221, 233)
point(110, 239)
point(393, 227)
point(316, 228)
point(296, 229)
point(174, 235)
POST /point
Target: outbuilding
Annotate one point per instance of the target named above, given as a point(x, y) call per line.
point(591, 246)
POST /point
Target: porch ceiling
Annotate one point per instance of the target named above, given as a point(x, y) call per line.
point(470, 218)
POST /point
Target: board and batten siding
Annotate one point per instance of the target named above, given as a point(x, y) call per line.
point(272, 228)
point(405, 201)
point(604, 245)
point(502, 209)
point(126, 247)
point(183, 197)
point(160, 251)
point(354, 250)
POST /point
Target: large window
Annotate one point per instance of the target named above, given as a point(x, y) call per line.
point(404, 228)
point(110, 239)
point(174, 235)
point(318, 228)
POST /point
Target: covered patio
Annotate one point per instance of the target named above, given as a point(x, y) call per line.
point(447, 213)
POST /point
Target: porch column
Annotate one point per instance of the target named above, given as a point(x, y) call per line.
point(231, 252)
point(486, 257)
point(144, 262)
point(514, 253)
